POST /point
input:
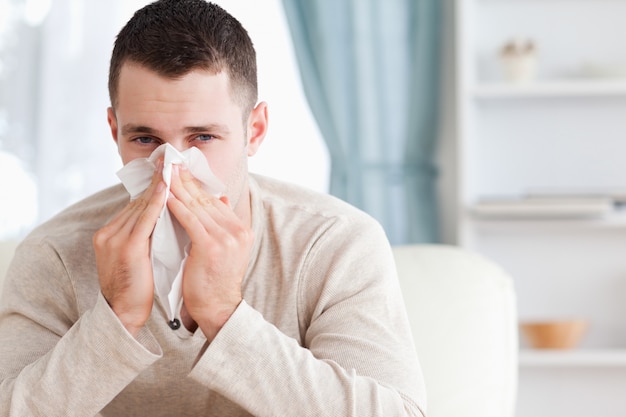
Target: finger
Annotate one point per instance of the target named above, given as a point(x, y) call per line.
point(224, 199)
point(211, 229)
point(196, 191)
point(205, 217)
point(157, 178)
point(196, 223)
point(184, 185)
point(146, 221)
point(129, 214)
point(191, 193)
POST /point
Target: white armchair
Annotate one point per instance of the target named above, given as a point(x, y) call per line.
point(462, 309)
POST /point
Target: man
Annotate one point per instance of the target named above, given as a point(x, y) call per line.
point(291, 305)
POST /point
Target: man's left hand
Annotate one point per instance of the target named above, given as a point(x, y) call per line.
point(219, 254)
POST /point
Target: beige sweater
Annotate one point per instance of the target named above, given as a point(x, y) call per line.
point(322, 330)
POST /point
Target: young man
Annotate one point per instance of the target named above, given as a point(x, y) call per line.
point(290, 302)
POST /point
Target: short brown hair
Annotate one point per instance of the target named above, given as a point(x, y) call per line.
point(174, 37)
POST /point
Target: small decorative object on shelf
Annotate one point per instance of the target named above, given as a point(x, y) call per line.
point(519, 60)
point(558, 334)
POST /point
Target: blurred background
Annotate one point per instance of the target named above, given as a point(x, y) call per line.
point(494, 125)
point(55, 147)
point(354, 91)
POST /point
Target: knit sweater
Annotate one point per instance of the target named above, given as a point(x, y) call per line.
point(322, 330)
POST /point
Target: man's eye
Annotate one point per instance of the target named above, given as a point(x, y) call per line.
point(205, 138)
point(144, 140)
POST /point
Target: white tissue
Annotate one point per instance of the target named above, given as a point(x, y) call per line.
point(170, 243)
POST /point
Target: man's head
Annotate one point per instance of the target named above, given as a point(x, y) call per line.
point(183, 72)
point(174, 37)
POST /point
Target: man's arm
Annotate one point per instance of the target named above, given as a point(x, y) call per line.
point(123, 259)
point(357, 357)
point(52, 362)
point(220, 252)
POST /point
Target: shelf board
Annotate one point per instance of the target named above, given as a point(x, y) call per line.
point(551, 89)
point(572, 358)
point(614, 219)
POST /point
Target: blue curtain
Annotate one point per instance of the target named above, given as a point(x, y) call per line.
point(370, 71)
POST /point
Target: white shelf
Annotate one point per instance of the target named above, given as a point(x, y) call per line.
point(544, 207)
point(615, 219)
point(562, 131)
point(542, 1)
point(547, 226)
point(551, 89)
point(572, 358)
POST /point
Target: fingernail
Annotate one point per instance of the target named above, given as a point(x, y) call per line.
point(160, 186)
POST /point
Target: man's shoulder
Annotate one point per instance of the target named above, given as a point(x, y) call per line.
point(294, 202)
point(281, 192)
point(84, 216)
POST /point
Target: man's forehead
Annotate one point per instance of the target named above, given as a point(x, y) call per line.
point(131, 66)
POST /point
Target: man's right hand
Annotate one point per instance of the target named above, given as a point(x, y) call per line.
point(122, 249)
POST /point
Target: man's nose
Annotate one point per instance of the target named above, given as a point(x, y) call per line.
point(179, 144)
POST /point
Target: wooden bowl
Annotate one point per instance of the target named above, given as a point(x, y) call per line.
point(561, 334)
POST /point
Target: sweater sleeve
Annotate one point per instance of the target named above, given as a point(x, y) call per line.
point(53, 362)
point(357, 358)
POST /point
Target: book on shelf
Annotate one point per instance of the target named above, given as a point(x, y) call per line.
point(547, 206)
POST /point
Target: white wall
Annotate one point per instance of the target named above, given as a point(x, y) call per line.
point(294, 149)
point(75, 155)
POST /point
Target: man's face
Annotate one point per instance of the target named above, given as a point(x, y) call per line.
point(194, 110)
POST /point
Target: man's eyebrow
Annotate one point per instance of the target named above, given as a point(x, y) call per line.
point(130, 128)
point(212, 127)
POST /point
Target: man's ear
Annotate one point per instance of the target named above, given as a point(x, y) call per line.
point(112, 123)
point(257, 127)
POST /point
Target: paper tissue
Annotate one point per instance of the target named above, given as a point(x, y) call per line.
point(170, 243)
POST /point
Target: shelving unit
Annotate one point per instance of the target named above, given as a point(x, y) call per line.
point(564, 132)
point(554, 89)
point(590, 358)
point(612, 221)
